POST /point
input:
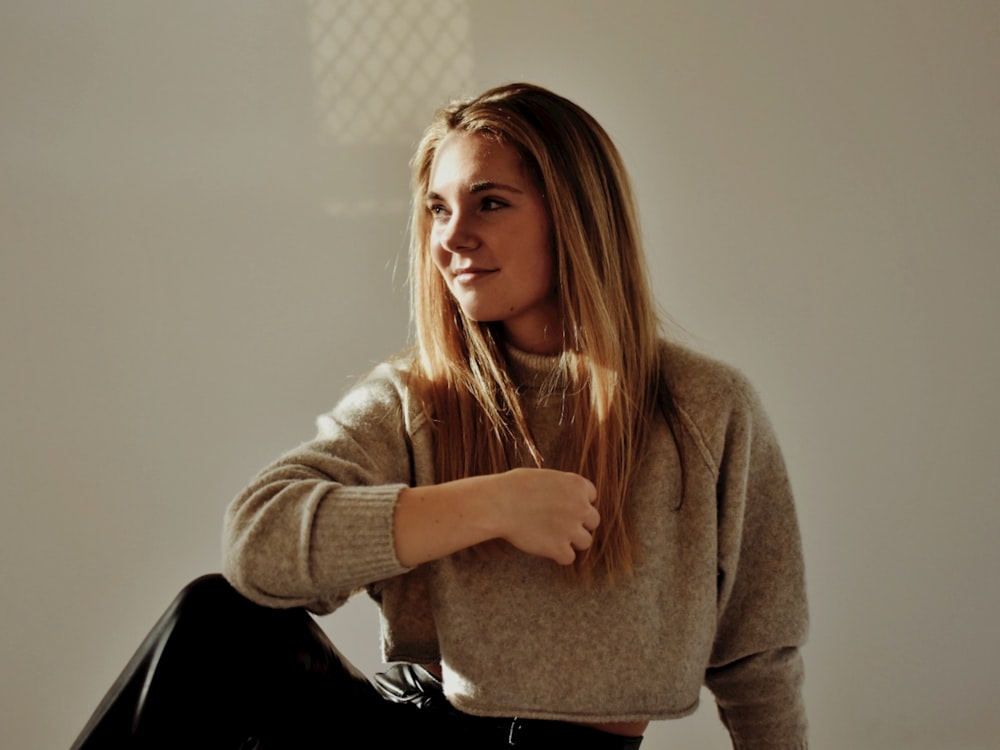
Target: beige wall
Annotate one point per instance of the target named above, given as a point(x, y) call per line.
point(199, 253)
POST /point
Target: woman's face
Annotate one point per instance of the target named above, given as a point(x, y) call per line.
point(490, 239)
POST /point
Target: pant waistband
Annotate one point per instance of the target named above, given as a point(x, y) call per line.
point(414, 685)
point(531, 733)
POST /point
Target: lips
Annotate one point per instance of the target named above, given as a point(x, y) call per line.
point(471, 274)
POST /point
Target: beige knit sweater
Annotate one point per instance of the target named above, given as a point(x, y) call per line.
point(719, 597)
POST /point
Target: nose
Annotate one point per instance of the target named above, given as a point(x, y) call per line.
point(457, 234)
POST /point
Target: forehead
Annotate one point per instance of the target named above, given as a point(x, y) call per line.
point(465, 159)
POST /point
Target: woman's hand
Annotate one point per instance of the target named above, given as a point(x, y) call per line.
point(542, 512)
point(546, 512)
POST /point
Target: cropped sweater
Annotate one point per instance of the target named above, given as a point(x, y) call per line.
point(718, 597)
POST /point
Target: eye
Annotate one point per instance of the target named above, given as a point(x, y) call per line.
point(437, 209)
point(493, 204)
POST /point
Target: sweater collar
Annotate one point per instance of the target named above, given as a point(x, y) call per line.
point(534, 371)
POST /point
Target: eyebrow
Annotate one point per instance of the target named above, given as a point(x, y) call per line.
point(479, 187)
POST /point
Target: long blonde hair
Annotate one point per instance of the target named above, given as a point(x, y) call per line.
point(610, 360)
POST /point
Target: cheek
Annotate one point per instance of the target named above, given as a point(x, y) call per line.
point(439, 256)
point(441, 259)
point(544, 266)
point(548, 274)
point(543, 242)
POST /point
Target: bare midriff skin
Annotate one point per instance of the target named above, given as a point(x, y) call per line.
point(624, 728)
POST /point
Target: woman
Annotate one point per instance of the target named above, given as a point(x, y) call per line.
point(569, 524)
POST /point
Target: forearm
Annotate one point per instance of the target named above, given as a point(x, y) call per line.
point(435, 521)
point(540, 511)
point(316, 524)
point(289, 541)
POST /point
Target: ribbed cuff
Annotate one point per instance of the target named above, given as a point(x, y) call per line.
point(352, 537)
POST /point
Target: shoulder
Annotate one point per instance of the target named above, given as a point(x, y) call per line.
point(713, 400)
point(702, 383)
point(383, 393)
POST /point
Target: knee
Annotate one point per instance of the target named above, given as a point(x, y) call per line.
point(211, 602)
point(211, 585)
point(210, 597)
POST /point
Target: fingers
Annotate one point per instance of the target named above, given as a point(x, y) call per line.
point(582, 540)
point(567, 557)
point(550, 513)
point(581, 536)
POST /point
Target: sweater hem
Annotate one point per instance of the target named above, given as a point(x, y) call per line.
point(478, 708)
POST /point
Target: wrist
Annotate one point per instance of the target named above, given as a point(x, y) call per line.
point(486, 505)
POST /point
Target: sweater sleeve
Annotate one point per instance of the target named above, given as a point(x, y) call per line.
point(756, 668)
point(317, 524)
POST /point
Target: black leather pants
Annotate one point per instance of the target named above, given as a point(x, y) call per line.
point(222, 673)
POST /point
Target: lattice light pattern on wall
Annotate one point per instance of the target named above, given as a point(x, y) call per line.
point(383, 66)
